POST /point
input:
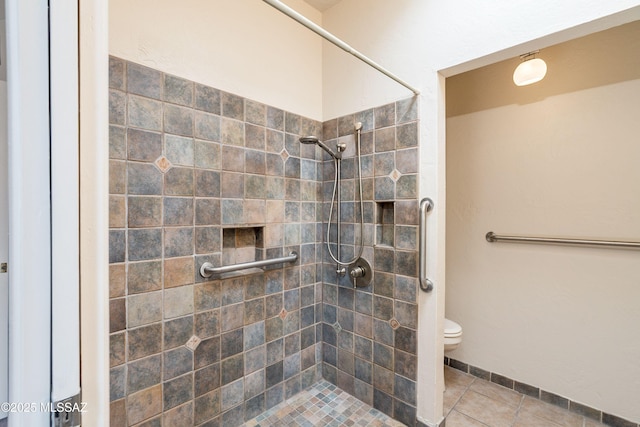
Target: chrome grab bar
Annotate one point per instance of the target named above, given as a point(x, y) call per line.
point(493, 237)
point(207, 269)
point(426, 205)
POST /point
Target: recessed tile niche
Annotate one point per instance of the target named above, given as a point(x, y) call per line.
point(242, 244)
point(384, 223)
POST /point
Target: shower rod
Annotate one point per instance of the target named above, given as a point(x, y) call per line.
point(336, 41)
point(492, 237)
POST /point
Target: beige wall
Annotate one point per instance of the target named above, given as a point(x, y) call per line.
point(245, 47)
point(558, 158)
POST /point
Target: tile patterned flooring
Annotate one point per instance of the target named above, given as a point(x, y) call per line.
point(471, 402)
point(468, 402)
point(323, 405)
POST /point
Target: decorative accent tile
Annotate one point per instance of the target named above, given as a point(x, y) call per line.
point(283, 314)
point(336, 327)
point(163, 164)
point(193, 343)
point(394, 323)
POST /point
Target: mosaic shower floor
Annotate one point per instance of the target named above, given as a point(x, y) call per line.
point(323, 405)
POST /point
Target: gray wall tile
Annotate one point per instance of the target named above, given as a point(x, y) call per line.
point(117, 142)
point(144, 277)
point(117, 70)
point(144, 211)
point(172, 211)
point(207, 126)
point(143, 145)
point(144, 113)
point(144, 373)
point(144, 244)
point(178, 120)
point(232, 106)
point(145, 341)
point(117, 107)
point(207, 99)
point(178, 91)
point(144, 81)
point(144, 308)
point(179, 150)
point(177, 391)
point(143, 179)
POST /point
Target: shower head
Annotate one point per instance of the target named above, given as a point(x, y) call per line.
point(316, 141)
point(309, 140)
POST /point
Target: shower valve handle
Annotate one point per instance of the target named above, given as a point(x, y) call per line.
point(357, 272)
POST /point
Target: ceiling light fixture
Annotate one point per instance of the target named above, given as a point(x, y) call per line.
point(530, 70)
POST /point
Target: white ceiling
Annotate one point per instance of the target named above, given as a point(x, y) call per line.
point(322, 5)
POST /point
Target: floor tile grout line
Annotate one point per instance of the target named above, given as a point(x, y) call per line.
point(460, 397)
point(517, 414)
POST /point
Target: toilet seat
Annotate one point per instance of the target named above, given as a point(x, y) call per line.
point(452, 329)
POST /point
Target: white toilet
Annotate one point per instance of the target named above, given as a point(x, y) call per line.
point(452, 335)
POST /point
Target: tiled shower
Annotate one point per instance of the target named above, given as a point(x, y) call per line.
point(197, 175)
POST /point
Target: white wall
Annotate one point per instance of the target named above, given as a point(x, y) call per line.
point(416, 39)
point(244, 47)
point(557, 158)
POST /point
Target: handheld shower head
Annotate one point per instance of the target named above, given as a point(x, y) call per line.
point(309, 140)
point(316, 141)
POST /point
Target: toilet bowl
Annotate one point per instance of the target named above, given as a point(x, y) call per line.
point(452, 335)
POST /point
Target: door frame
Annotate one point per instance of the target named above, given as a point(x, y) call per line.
point(94, 209)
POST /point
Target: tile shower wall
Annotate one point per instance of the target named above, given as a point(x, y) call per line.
point(370, 333)
point(197, 174)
